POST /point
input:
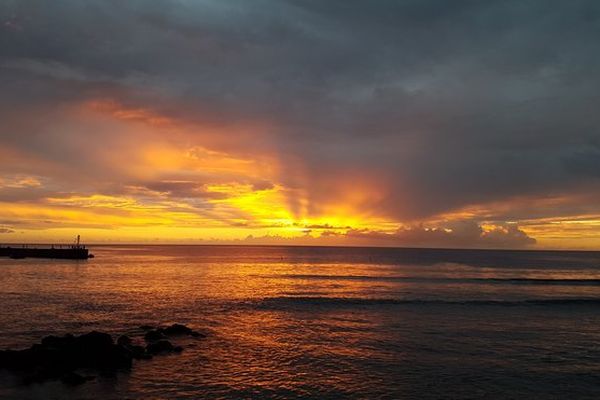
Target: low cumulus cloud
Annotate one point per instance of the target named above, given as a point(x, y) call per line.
point(466, 234)
point(463, 234)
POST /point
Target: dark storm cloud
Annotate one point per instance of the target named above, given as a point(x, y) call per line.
point(446, 103)
point(585, 162)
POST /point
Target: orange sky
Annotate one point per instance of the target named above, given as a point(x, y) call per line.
point(299, 123)
point(179, 188)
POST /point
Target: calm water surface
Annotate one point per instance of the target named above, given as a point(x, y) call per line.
point(321, 323)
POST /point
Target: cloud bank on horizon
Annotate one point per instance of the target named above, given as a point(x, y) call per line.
point(417, 123)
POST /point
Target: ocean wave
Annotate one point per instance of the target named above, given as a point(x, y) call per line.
point(507, 281)
point(542, 281)
point(358, 301)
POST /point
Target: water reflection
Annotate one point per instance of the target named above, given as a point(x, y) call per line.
point(292, 323)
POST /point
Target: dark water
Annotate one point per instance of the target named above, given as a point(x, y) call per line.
point(321, 322)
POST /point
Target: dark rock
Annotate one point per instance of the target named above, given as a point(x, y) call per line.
point(58, 341)
point(136, 352)
point(9, 359)
point(97, 350)
point(58, 357)
point(74, 379)
point(63, 354)
point(154, 335)
point(162, 346)
point(38, 376)
point(178, 329)
point(116, 357)
point(139, 353)
point(146, 327)
point(124, 340)
point(36, 357)
point(95, 340)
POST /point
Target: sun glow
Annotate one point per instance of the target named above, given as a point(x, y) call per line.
point(155, 178)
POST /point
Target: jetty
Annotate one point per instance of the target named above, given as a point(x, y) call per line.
point(75, 251)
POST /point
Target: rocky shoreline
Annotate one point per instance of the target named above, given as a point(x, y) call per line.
point(63, 357)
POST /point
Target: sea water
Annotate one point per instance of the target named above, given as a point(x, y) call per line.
point(321, 323)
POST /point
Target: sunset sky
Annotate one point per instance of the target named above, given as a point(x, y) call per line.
point(380, 123)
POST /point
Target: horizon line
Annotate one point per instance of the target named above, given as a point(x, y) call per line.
point(308, 246)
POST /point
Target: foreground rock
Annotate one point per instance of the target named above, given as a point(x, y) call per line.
point(74, 379)
point(61, 354)
point(163, 346)
point(124, 340)
point(155, 334)
point(58, 357)
point(177, 329)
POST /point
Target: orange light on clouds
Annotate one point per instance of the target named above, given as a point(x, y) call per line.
point(116, 110)
point(150, 177)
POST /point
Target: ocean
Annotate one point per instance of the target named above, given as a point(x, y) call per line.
point(320, 323)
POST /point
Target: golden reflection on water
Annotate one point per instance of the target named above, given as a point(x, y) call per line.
point(284, 324)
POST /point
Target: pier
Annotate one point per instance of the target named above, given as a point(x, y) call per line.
point(75, 251)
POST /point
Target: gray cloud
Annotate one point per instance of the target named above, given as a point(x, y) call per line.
point(182, 189)
point(465, 234)
point(445, 104)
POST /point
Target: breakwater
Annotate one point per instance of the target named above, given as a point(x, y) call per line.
point(75, 252)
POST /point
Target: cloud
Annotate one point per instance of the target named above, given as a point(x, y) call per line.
point(183, 189)
point(467, 234)
point(6, 230)
point(394, 111)
point(463, 234)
